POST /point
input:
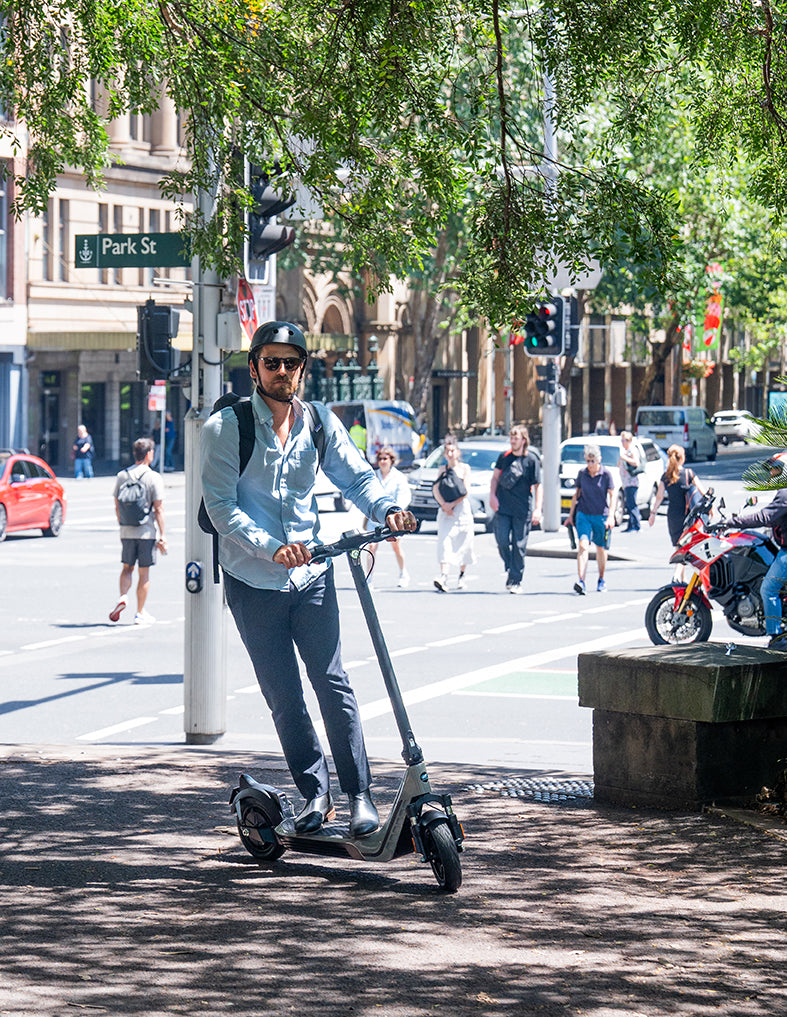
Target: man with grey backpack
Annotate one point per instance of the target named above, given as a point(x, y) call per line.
point(139, 506)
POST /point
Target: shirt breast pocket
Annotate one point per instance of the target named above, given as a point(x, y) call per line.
point(301, 471)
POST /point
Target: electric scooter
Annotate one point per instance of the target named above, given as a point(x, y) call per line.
point(420, 821)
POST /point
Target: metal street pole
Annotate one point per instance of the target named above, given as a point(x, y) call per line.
point(551, 422)
point(204, 670)
point(550, 451)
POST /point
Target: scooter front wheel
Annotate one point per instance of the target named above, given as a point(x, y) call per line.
point(442, 855)
point(665, 628)
point(251, 822)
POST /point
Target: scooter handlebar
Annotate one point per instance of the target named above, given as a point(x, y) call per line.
point(351, 541)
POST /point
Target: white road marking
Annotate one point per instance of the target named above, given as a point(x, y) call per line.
point(462, 681)
point(52, 642)
point(508, 628)
point(173, 711)
point(105, 732)
point(466, 638)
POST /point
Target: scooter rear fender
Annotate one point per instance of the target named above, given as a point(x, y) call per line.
point(274, 804)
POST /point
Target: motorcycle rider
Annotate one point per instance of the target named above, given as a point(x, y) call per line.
point(774, 514)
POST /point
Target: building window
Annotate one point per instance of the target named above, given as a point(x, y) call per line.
point(3, 238)
point(61, 270)
point(46, 243)
point(103, 227)
point(117, 213)
point(141, 272)
point(139, 127)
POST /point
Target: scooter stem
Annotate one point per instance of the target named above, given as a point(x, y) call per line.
point(411, 753)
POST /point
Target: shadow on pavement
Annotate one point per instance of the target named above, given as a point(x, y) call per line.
point(125, 890)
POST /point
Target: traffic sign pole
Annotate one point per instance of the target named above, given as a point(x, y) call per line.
point(204, 670)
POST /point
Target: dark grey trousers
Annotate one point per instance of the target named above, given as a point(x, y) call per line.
point(272, 624)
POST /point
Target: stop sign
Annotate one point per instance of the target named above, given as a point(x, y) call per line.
point(247, 308)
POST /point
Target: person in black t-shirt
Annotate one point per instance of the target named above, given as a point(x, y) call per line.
point(515, 497)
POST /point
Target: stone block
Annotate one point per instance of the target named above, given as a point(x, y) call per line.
point(677, 727)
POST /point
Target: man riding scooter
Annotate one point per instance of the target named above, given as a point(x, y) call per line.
point(774, 515)
point(268, 527)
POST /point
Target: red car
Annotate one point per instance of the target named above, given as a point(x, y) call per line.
point(31, 497)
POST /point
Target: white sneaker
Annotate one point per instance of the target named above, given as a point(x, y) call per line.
point(143, 618)
point(114, 614)
point(441, 584)
point(515, 588)
point(404, 579)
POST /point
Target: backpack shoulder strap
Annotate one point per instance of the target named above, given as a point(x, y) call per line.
point(242, 409)
point(317, 429)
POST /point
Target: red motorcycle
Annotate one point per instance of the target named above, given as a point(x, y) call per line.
point(728, 565)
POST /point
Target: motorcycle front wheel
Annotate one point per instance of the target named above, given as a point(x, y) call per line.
point(663, 626)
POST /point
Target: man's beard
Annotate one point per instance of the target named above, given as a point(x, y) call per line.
point(278, 397)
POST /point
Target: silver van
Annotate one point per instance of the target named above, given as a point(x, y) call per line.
point(688, 426)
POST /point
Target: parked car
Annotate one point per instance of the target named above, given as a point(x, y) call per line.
point(735, 425)
point(31, 496)
point(572, 460)
point(688, 426)
point(480, 454)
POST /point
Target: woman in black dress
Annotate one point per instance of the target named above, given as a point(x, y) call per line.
point(675, 484)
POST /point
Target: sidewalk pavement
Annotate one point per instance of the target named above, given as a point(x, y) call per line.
point(125, 891)
point(649, 546)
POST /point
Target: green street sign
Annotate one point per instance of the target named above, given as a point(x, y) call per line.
point(132, 250)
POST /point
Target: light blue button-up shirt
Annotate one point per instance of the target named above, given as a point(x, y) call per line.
point(273, 503)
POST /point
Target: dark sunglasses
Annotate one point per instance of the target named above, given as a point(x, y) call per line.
point(274, 363)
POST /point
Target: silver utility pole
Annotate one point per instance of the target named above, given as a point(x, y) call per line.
point(551, 423)
point(204, 671)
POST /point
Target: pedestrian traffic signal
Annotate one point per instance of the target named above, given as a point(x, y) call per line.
point(264, 236)
point(157, 326)
point(545, 328)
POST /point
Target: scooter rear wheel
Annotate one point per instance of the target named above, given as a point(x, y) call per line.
point(660, 620)
point(443, 855)
point(251, 821)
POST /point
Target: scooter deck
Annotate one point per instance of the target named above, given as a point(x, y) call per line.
point(392, 839)
point(334, 839)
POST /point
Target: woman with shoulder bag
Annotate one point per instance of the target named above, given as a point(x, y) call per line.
point(455, 529)
point(680, 487)
point(630, 467)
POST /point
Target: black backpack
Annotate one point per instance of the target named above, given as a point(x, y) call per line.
point(133, 500)
point(243, 411)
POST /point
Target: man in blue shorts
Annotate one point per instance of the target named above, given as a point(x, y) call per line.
point(591, 507)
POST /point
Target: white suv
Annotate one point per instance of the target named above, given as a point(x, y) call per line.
point(735, 425)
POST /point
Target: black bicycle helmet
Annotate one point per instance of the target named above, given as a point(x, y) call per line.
point(278, 332)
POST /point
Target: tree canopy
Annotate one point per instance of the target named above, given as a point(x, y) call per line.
point(399, 115)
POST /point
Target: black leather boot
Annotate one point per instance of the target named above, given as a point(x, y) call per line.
point(363, 815)
point(314, 813)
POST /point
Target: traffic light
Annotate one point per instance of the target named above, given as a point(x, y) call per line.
point(264, 236)
point(546, 378)
point(545, 328)
point(157, 326)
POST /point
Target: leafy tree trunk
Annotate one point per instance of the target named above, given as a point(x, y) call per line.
point(425, 311)
point(659, 354)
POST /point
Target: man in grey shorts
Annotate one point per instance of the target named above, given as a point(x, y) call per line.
point(139, 542)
